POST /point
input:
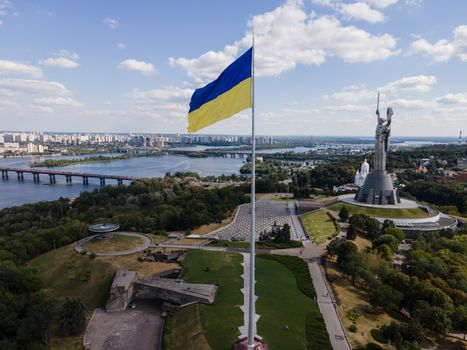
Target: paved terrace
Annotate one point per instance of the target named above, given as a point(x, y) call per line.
point(266, 213)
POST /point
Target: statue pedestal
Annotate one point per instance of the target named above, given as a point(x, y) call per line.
point(378, 189)
point(242, 344)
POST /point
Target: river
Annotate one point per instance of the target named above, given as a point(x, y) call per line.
point(14, 193)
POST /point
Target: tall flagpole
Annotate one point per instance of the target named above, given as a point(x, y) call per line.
point(251, 303)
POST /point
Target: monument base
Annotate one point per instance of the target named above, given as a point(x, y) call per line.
point(242, 344)
point(378, 189)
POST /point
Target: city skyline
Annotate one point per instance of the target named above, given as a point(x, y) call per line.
point(94, 68)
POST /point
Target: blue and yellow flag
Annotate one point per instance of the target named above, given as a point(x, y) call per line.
point(224, 97)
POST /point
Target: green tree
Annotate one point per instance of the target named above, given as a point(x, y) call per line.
point(344, 214)
point(72, 319)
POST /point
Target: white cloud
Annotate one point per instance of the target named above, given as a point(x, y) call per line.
point(13, 87)
point(62, 59)
point(382, 3)
point(67, 54)
point(57, 101)
point(416, 3)
point(415, 84)
point(170, 93)
point(287, 36)
point(361, 11)
point(138, 66)
point(4, 5)
point(352, 94)
point(12, 67)
point(169, 101)
point(412, 104)
point(121, 46)
point(443, 50)
point(207, 66)
point(453, 99)
point(61, 62)
point(111, 22)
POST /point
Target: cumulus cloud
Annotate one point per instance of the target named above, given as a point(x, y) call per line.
point(111, 22)
point(382, 3)
point(287, 36)
point(170, 93)
point(411, 84)
point(57, 101)
point(170, 100)
point(416, 83)
point(14, 68)
point(121, 46)
point(62, 59)
point(61, 62)
point(13, 87)
point(138, 66)
point(443, 49)
point(361, 11)
point(453, 99)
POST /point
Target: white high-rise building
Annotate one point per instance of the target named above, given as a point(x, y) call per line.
point(360, 176)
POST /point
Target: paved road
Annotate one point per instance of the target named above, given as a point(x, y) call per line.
point(311, 253)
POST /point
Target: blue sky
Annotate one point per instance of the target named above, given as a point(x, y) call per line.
point(126, 66)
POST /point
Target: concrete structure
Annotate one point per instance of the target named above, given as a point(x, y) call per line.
point(103, 229)
point(378, 187)
point(121, 291)
point(36, 172)
point(126, 286)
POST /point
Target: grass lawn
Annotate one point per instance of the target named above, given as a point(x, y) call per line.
point(187, 322)
point(285, 312)
point(319, 225)
point(281, 307)
point(384, 213)
point(115, 243)
point(219, 321)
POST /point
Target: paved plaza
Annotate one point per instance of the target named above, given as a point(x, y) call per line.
point(266, 214)
point(132, 329)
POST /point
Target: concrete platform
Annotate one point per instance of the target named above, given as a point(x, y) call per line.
point(404, 204)
point(131, 329)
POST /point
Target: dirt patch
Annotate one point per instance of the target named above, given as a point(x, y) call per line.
point(354, 308)
point(143, 268)
point(115, 243)
point(205, 229)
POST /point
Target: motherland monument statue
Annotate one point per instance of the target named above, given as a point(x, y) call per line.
point(378, 187)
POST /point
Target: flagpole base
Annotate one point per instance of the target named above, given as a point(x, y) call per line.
point(242, 344)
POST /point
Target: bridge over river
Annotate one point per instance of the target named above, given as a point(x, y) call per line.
point(67, 174)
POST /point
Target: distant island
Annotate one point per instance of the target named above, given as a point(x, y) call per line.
point(50, 163)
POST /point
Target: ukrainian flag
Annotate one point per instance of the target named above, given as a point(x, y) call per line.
point(224, 97)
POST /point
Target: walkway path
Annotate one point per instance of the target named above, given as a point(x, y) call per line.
point(245, 291)
point(327, 306)
point(297, 228)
